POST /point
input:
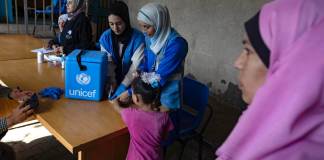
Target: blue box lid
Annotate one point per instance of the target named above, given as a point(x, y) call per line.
point(87, 56)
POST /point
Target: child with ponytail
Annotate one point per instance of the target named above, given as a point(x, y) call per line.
point(146, 124)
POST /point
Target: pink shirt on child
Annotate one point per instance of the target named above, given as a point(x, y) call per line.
point(147, 129)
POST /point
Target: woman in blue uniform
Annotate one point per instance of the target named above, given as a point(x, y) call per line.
point(124, 46)
point(165, 52)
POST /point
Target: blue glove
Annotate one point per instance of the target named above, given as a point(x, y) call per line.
point(52, 92)
point(121, 88)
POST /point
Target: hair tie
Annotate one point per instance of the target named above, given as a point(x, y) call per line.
point(151, 78)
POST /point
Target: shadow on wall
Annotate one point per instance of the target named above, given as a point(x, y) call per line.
point(230, 97)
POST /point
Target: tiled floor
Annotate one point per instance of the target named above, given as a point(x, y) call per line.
point(222, 122)
point(34, 142)
point(44, 148)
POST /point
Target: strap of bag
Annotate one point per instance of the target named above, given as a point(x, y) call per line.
point(81, 67)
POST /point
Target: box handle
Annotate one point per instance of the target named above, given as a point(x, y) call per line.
point(81, 67)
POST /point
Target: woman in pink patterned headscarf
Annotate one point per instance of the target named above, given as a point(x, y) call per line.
point(282, 78)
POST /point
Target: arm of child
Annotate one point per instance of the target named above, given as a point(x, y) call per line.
point(116, 105)
point(168, 127)
point(126, 114)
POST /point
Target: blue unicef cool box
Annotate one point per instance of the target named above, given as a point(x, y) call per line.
point(85, 74)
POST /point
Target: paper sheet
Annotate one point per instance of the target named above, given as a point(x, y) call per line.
point(43, 50)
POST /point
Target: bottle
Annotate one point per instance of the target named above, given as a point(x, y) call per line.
point(63, 61)
point(40, 57)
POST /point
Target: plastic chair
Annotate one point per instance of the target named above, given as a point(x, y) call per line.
point(190, 116)
point(48, 11)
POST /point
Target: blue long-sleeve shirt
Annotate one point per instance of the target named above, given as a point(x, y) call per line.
point(171, 61)
point(131, 59)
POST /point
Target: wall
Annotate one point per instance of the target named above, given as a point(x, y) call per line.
point(213, 29)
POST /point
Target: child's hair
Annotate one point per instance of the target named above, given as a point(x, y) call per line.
point(149, 94)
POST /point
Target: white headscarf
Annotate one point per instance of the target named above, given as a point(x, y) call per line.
point(79, 6)
point(158, 16)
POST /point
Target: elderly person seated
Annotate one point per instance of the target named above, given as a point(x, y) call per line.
point(76, 32)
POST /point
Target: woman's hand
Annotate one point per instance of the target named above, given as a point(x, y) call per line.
point(19, 114)
point(61, 25)
point(20, 95)
point(58, 49)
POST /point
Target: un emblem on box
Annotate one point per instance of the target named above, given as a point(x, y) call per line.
point(85, 74)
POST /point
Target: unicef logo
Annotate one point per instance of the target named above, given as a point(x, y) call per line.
point(83, 79)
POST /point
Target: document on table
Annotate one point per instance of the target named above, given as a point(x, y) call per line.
point(42, 50)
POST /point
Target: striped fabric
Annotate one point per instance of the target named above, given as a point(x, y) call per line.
point(4, 91)
point(3, 125)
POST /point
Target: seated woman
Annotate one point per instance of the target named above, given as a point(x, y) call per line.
point(124, 46)
point(76, 33)
point(165, 52)
point(281, 77)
